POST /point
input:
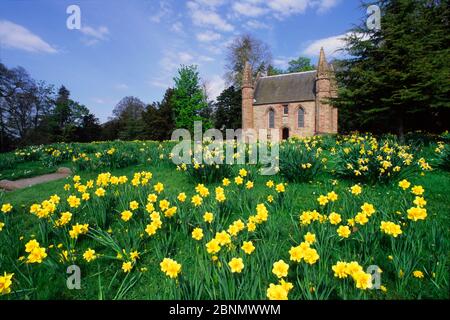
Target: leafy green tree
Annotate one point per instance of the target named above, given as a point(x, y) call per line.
point(129, 112)
point(110, 130)
point(189, 99)
point(89, 130)
point(64, 121)
point(158, 118)
point(299, 65)
point(398, 77)
point(228, 114)
point(273, 71)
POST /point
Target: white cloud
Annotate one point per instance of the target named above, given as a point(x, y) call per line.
point(249, 8)
point(205, 59)
point(214, 49)
point(211, 3)
point(255, 24)
point(99, 33)
point(163, 11)
point(121, 86)
point(325, 5)
point(280, 8)
point(159, 83)
point(173, 59)
point(168, 64)
point(218, 48)
point(18, 37)
point(94, 35)
point(177, 27)
point(331, 45)
point(282, 62)
point(99, 100)
point(288, 7)
point(214, 86)
point(208, 36)
point(185, 57)
point(203, 15)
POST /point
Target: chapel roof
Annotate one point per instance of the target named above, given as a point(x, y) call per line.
point(292, 87)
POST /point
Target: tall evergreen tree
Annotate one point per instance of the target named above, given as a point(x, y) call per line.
point(62, 106)
point(398, 77)
point(89, 130)
point(158, 118)
point(228, 114)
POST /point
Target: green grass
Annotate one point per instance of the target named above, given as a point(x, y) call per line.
point(423, 246)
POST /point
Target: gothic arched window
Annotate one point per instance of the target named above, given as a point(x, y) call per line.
point(271, 118)
point(301, 117)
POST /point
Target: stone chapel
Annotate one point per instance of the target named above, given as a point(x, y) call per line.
point(295, 103)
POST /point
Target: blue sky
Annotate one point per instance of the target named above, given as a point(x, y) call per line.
point(133, 47)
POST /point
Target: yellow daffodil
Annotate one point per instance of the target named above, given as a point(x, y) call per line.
point(236, 265)
point(6, 283)
point(280, 269)
point(170, 267)
point(89, 255)
point(248, 247)
point(208, 217)
point(343, 231)
point(197, 234)
point(126, 215)
point(356, 190)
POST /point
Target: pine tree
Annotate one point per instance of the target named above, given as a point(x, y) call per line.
point(398, 78)
point(228, 113)
point(158, 118)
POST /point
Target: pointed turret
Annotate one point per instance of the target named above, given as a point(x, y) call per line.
point(322, 66)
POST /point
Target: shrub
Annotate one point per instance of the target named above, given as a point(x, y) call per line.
point(8, 161)
point(300, 160)
point(212, 167)
point(443, 160)
point(366, 159)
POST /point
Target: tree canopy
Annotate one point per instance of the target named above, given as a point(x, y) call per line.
point(398, 78)
point(189, 99)
point(246, 48)
point(31, 112)
point(300, 64)
point(228, 113)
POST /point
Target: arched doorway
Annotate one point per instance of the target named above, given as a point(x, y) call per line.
point(285, 133)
